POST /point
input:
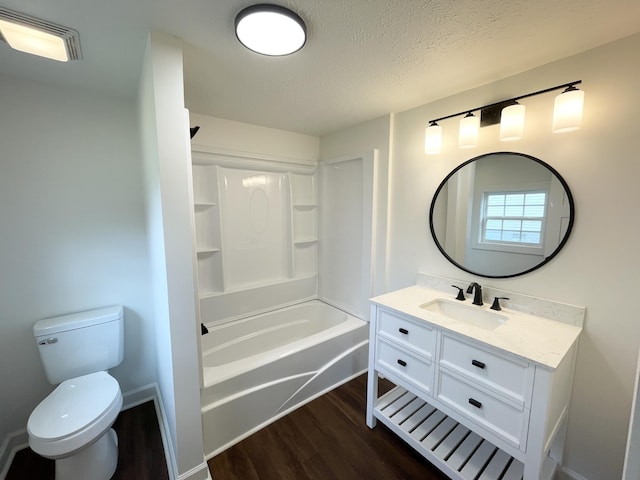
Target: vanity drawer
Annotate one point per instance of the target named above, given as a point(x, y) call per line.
point(413, 369)
point(420, 338)
point(507, 376)
point(501, 418)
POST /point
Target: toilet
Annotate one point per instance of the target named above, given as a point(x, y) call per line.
point(73, 424)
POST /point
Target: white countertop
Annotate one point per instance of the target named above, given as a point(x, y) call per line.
point(539, 340)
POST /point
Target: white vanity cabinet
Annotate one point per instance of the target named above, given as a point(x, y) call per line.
point(473, 410)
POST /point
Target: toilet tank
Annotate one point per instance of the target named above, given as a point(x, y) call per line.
point(80, 343)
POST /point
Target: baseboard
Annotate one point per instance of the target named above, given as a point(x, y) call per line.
point(201, 472)
point(568, 474)
point(13, 443)
point(169, 452)
point(138, 396)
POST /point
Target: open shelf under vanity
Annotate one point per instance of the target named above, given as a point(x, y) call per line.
point(454, 448)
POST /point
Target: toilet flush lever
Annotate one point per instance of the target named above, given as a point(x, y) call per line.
point(48, 341)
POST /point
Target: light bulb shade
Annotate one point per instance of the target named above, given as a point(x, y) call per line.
point(567, 110)
point(469, 130)
point(512, 122)
point(270, 30)
point(433, 139)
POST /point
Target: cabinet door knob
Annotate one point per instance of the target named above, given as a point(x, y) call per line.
point(404, 331)
point(475, 403)
point(402, 362)
point(478, 363)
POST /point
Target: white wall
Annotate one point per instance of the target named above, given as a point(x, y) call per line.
point(72, 231)
point(165, 149)
point(228, 136)
point(599, 264)
point(362, 139)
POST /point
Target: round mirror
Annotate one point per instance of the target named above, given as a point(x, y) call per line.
point(501, 214)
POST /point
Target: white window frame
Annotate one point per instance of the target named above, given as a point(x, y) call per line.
point(478, 220)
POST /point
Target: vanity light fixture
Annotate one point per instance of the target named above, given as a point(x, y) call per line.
point(39, 37)
point(567, 116)
point(270, 30)
point(512, 122)
point(433, 139)
point(567, 110)
point(468, 131)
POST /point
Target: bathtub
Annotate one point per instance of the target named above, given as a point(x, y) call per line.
point(260, 368)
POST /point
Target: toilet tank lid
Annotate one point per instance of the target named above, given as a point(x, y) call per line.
point(74, 321)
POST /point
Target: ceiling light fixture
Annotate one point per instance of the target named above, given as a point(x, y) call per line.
point(567, 116)
point(39, 37)
point(270, 30)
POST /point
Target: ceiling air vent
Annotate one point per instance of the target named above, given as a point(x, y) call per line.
point(68, 36)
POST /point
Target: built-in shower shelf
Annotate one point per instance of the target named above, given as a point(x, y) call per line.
point(206, 250)
point(305, 241)
point(204, 205)
point(456, 450)
point(305, 206)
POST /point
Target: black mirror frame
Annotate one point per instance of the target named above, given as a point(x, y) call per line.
point(562, 181)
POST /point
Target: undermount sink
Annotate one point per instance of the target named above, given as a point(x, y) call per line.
point(471, 314)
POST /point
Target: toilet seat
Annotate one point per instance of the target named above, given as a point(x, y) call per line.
point(75, 414)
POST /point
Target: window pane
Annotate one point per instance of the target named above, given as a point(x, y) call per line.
point(497, 211)
point(493, 199)
point(534, 211)
point(493, 235)
point(515, 199)
point(530, 237)
point(535, 199)
point(531, 226)
point(513, 211)
point(510, 236)
point(514, 225)
point(494, 224)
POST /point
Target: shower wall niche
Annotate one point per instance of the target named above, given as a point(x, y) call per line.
point(256, 234)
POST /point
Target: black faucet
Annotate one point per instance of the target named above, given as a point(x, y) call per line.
point(476, 289)
point(460, 293)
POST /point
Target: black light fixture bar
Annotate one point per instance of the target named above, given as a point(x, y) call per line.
point(504, 103)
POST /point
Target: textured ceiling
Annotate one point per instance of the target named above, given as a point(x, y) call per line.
point(363, 58)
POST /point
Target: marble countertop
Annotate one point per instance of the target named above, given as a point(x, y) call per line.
point(539, 340)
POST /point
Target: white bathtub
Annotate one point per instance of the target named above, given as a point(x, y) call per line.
point(259, 368)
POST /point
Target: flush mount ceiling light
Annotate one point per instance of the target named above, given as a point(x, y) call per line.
point(38, 37)
point(270, 30)
point(567, 116)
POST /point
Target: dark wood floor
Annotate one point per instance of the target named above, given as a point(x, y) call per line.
point(141, 454)
point(325, 439)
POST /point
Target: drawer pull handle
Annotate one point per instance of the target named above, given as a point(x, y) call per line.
point(402, 362)
point(475, 403)
point(404, 331)
point(477, 363)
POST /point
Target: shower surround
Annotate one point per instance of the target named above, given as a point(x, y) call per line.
point(284, 273)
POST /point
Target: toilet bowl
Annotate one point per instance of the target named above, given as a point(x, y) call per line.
point(73, 426)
